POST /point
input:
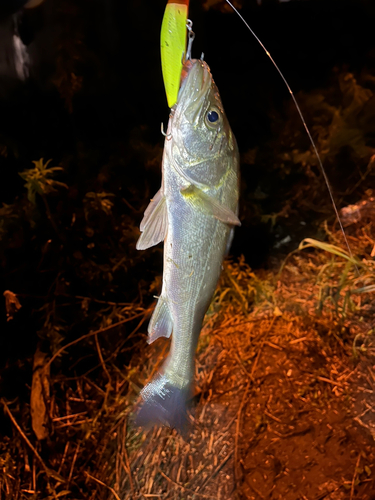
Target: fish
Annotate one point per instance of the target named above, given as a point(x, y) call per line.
point(194, 213)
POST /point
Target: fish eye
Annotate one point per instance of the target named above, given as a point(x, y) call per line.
point(212, 116)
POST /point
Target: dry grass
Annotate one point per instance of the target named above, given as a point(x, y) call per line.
point(282, 355)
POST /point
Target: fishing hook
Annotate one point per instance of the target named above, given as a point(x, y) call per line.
point(167, 136)
point(191, 36)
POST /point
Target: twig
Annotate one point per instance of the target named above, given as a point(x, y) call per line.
point(354, 477)
point(77, 297)
point(273, 417)
point(63, 457)
point(50, 473)
point(301, 432)
point(14, 422)
point(296, 341)
point(126, 455)
point(218, 468)
point(73, 462)
point(277, 347)
point(371, 430)
point(97, 301)
point(66, 417)
point(103, 484)
point(329, 381)
point(90, 334)
point(102, 360)
point(184, 488)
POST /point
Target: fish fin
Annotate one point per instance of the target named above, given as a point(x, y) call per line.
point(150, 209)
point(154, 223)
point(163, 403)
point(161, 322)
point(209, 205)
point(231, 236)
point(229, 242)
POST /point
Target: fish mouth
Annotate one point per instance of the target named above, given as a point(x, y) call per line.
point(196, 83)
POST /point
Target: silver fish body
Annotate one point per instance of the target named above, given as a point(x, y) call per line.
point(193, 213)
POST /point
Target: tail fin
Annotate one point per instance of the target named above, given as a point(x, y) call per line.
point(163, 403)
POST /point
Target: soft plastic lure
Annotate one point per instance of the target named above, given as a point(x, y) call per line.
point(173, 46)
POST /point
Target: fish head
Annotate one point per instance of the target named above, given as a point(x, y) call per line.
point(200, 127)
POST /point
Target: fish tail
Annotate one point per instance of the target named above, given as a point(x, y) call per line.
point(163, 403)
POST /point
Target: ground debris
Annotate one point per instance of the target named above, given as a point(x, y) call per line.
point(283, 408)
point(40, 392)
point(12, 304)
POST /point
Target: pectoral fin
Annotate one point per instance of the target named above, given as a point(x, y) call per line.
point(161, 322)
point(209, 205)
point(154, 223)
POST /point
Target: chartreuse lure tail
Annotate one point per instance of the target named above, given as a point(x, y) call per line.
point(173, 46)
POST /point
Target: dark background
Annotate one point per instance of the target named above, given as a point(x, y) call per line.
point(113, 49)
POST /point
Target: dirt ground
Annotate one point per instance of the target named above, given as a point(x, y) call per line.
point(284, 405)
point(280, 431)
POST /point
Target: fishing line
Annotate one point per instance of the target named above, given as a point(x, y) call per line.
point(305, 126)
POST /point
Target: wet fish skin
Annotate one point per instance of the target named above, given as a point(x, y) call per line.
point(193, 213)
